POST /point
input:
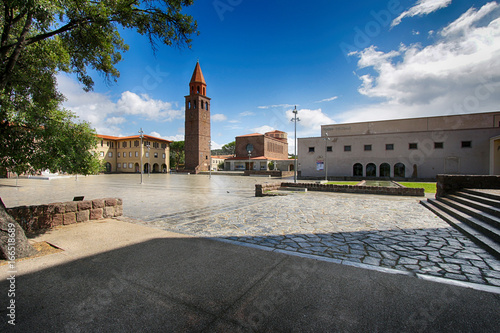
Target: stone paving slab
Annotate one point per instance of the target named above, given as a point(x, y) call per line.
point(396, 233)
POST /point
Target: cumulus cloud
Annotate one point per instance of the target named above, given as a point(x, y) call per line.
point(263, 129)
point(218, 117)
point(152, 109)
point(458, 73)
point(310, 121)
point(105, 115)
point(422, 7)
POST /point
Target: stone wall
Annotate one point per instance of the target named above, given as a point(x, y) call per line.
point(272, 173)
point(261, 189)
point(452, 183)
point(35, 218)
point(402, 191)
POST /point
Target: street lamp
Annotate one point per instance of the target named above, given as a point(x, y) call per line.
point(326, 151)
point(149, 163)
point(249, 161)
point(295, 120)
point(141, 136)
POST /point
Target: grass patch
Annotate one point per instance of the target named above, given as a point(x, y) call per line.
point(428, 187)
point(343, 183)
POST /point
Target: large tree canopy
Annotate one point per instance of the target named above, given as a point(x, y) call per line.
point(40, 38)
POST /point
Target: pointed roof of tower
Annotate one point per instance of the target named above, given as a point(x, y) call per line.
point(197, 75)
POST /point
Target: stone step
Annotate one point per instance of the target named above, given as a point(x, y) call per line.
point(492, 232)
point(479, 198)
point(476, 236)
point(492, 210)
point(484, 194)
point(484, 216)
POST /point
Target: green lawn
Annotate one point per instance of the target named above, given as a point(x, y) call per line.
point(343, 183)
point(428, 187)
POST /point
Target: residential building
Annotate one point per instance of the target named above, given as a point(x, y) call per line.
point(218, 159)
point(123, 154)
point(405, 148)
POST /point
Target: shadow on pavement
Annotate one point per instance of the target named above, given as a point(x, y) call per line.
point(194, 284)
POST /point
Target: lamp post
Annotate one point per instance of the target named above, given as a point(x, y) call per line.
point(249, 161)
point(295, 120)
point(141, 167)
point(149, 163)
point(210, 160)
point(326, 151)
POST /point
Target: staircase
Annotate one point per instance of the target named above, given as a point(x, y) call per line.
point(476, 213)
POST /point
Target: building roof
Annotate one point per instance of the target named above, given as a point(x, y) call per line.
point(222, 156)
point(253, 134)
point(197, 75)
point(276, 131)
point(109, 137)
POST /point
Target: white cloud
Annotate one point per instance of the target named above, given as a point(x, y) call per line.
point(234, 121)
point(327, 99)
point(247, 113)
point(143, 105)
point(459, 73)
point(464, 22)
point(215, 145)
point(310, 121)
point(422, 7)
point(276, 106)
point(177, 137)
point(105, 115)
point(263, 129)
point(218, 117)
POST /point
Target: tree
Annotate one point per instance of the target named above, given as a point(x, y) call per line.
point(39, 39)
point(229, 148)
point(177, 153)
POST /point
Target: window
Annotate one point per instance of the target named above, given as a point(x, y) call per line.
point(385, 170)
point(201, 105)
point(438, 145)
point(164, 145)
point(110, 154)
point(136, 154)
point(329, 148)
point(206, 103)
point(357, 170)
point(466, 144)
point(413, 146)
point(311, 149)
point(136, 143)
point(119, 165)
point(130, 165)
point(102, 143)
point(399, 170)
point(156, 155)
point(347, 148)
point(129, 154)
point(164, 155)
point(119, 154)
point(389, 146)
point(102, 154)
point(124, 144)
point(371, 170)
point(147, 154)
point(124, 165)
point(368, 147)
point(107, 143)
point(189, 105)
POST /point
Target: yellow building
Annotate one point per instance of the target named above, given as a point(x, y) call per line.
point(123, 154)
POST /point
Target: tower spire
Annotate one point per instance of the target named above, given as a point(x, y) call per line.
point(197, 84)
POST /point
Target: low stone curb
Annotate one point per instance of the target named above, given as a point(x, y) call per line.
point(39, 217)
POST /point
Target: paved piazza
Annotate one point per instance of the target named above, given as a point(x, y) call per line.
point(384, 231)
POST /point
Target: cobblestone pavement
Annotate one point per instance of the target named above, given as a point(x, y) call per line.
point(391, 232)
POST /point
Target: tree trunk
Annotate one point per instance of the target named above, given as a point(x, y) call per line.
point(13, 242)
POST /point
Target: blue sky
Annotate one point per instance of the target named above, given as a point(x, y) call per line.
point(337, 61)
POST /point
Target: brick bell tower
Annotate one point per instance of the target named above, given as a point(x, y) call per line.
point(197, 124)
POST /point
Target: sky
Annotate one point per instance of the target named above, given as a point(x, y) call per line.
point(335, 61)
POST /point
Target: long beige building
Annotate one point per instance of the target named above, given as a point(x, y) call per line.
point(123, 154)
point(405, 148)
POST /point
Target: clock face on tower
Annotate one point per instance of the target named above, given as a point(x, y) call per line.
point(249, 147)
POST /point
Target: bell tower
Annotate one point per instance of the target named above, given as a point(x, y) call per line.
point(197, 124)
